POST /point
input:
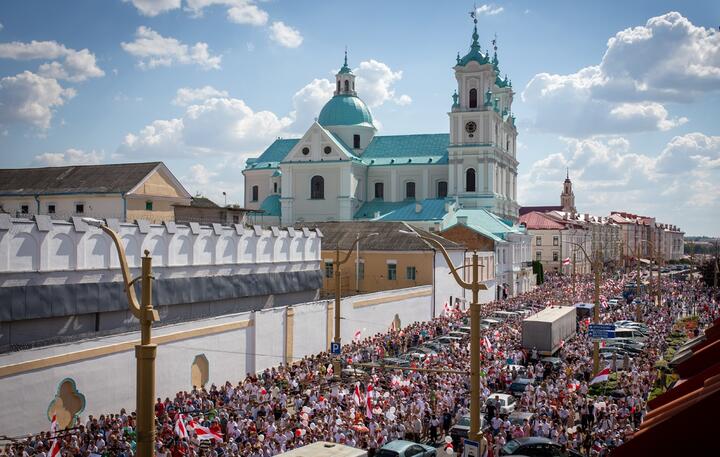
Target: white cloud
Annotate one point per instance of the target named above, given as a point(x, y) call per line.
point(677, 185)
point(154, 50)
point(199, 174)
point(30, 98)
point(77, 66)
point(238, 11)
point(1, 26)
point(186, 96)
point(161, 137)
point(285, 35)
point(489, 9)
point(247, 13)
point(375, 81)
point(68, 157)
point(154, 7)
point(307, 103)
point(668, 59)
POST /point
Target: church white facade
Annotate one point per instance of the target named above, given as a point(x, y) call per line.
point(340, 170)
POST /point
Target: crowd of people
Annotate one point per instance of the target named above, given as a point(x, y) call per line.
point(289, 406)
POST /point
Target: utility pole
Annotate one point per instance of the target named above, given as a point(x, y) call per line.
point(475, 286)
point(338, 264)
point(596, 314)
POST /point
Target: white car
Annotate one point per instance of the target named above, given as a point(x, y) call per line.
point(506, 402)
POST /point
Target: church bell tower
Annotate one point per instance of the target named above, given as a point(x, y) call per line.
point(567, 197)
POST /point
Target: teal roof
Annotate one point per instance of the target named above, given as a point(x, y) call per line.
point(475, 53)
point(271, 205)
point(345, 109)
point(432, 209)
point(482, 221)
point(407, 149)
point(273, 155)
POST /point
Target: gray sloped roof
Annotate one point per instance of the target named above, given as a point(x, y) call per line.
point(112, 178)
point(343, 234)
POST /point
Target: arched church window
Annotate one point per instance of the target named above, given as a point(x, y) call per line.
point(473, 98)
point(254, 193)
point(410, 190)
point(379, 190)
point(442, 189)
point(470, 180)
point(317, 188)
point(338, 86)
point(347, 86)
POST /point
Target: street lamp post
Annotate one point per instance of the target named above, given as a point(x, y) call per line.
point(596, 265)
point(475, 286)
point(145, 352)
point(337, 265)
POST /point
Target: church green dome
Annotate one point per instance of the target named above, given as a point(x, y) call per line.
point(345, 109)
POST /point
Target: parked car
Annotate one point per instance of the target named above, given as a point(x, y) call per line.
point(536, 446)
point(402, 448)
point(517, 388)
point(458, 334)
point(519, 417)
point(460, 430)
point(556, 362)
point(466, 329)
point(506, 402)
point(448, 340)
point(396, 361)
point(490, 322)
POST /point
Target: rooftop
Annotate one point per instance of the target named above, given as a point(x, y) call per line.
point(87, 179)
point(341, 235)
point(431, 209)
point(540, 221)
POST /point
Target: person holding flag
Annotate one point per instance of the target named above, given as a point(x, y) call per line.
point(602, 376)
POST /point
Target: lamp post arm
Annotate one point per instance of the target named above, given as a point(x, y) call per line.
point(129, 289)
point(451, 266)
point(352, 248)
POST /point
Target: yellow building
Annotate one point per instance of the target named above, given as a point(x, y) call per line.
point(126, 192)
point(389, 260)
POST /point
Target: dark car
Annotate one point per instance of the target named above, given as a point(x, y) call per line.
point(518, 386)
point(555, 362)
point(536, 446)
point(459, 431)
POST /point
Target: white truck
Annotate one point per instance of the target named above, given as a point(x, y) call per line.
point(546, 330)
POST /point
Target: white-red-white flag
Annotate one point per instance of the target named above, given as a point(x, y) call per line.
point(602, 376)
point(368, 402)
point(573, 385)
point(566, 261)
point(487, 344)
point(55, 446)
point(180, 429)
point(204, 433)
point(356, 395)
point(356, 336)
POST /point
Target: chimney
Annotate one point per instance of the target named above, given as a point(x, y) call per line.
point(462, 220)
point(418, 208)
point(437, 226)
point(377, 214)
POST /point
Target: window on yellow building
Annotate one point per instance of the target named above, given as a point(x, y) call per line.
point(410, 273)
point(556, 256)
point(392, 272)
point(538, 241)
point(328, 269)
point(148, 206)
point(538, 255)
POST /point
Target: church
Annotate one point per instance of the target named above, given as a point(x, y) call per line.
point(340, 170)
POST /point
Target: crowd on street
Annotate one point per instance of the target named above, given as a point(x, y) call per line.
point(288, 406)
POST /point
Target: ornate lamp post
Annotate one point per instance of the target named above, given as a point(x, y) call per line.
point(144, 352)
point(338, 263)
point(475, 286)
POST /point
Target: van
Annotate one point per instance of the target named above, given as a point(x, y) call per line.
point(503, 315)
point(629, 333)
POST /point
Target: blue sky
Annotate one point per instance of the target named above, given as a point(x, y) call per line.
point(204, 84)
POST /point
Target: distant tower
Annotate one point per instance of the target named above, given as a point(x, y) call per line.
point(567, 197)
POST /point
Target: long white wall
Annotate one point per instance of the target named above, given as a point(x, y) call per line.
point(234, 346)
point(46, 245)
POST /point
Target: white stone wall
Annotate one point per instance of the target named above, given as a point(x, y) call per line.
point(108, 381)
point(26, 246)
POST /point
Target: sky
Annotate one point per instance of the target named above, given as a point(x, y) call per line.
point(623, 94)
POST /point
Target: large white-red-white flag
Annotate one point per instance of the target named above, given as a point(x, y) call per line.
point(204, 433)
point(55, 447)
point(487, 344)
point(602, 376)
point(180, 429)
point(566, 261)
